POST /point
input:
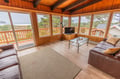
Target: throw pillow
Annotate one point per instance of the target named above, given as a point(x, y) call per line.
point(113, 40)
point(111, 50)
point(118, 44)
point(1, 50)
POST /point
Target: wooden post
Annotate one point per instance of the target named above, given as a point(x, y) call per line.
point(108, 25)
point(79, 24)
point(91, 24)
point(35, 28)
point(13, 30)
point(69, 25)
point(6, 38)
point(51, 29)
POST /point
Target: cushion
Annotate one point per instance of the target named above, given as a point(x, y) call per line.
point(1, 50)
point(97, 50)
point(10, 73)
point(8, 61)
point(113, 40)
point(6, 46)
point(111, 50)
point(7, 53)
point(105, 45)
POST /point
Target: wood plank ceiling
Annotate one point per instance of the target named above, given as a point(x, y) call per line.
point(64, 5)
point(76, 6)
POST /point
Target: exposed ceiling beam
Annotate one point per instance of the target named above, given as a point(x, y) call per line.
point(90, 3)
point(73, 5)
point(57, 4)
point(36, 2)
point(27, 1)
point(7, 1)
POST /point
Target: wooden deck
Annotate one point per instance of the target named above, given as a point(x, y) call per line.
point(81, 59)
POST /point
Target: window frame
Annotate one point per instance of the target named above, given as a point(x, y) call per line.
point(110, 22)
point(106, 23)
point(48, 23)
point(76, 31)
point(89, 25)
point(59, 24)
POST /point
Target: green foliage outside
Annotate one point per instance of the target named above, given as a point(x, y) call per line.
point(74, 23)
point(100, 19)
point(84, 25)
point(5, 27)
point(44, 23)
point(56, 21)
point(65, 22)
point(56, 24)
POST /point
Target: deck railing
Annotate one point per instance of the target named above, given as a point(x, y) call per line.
point(98, 32)
point(21, 35)
point(7, 36)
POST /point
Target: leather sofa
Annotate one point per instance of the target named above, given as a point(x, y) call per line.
point(109, 64)
point(9, 63)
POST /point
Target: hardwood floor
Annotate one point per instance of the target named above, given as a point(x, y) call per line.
point(80, 59)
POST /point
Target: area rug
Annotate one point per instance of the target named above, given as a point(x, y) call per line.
point(47, 64)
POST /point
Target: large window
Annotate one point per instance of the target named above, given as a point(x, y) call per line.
point(6, 34)
point(23, 29)
point(99, 24)
point(17, 31)
point(114, 30)
point(85, 25)
point(74, 23)
point(43, 25)
point(56, 24)
point(65, 21)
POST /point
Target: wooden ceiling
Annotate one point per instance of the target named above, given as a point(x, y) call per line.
point(64, 6)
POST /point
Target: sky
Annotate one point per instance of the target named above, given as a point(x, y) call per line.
point(39, 17)
point(83, 19)
point(17, 18)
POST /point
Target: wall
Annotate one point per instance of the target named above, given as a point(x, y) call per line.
point(49, 39)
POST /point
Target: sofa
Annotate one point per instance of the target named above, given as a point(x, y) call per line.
point(9, 63)
point(109, 64)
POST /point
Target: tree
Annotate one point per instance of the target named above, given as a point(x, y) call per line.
point(86, 22)
point(5, 27)
point(100, 19)
point(65, 22)
point(44, 23)
point(56, 21)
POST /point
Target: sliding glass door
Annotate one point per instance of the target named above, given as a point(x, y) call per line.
point(15, 28)
point(6, 31)
point(22, 29)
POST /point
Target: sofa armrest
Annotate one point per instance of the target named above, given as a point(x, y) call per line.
point(107, 64)
point(7, 46)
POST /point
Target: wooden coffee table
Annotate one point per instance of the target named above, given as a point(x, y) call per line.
point(79, 41)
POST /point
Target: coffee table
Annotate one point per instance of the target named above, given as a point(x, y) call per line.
point(79, 41)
